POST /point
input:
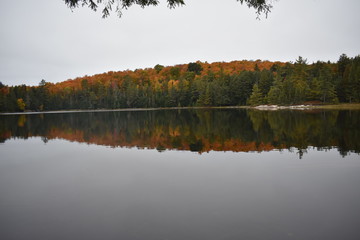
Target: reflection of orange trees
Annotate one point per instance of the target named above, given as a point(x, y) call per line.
point(5, 135)
point(21, 120)
point(171, 139)
point(195, 130)
point(163, 135)
point(71, 135)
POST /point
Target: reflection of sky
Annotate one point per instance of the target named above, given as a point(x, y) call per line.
point(64, 189)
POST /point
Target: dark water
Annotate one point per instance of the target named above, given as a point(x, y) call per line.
point(180, 174)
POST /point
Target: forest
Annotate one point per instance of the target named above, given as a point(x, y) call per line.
point(236, 83)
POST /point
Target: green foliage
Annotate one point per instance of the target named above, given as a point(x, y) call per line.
point(285, 84)
point(275, 94)
point(175, 72)
point(352, 92)
point(265, 81)
point(327, 86)
point(158, 68)
point(256, 97)
point(240, 87)
point(342, 63)
point(195, 67)
point(301, 61)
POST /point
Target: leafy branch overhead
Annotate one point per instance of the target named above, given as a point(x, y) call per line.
point(261, 6)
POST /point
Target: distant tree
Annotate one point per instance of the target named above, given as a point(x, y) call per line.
point(205, 98)
point(274, 95)
point(240, 87)
point(279, 91)
point(343, 85)
point(327, 86)
point(314, 89)
point(274, 67)
point(175, 72)
point(301, 61)
point(221, 96)
point(20, 104)
point(353, 81)
point(265, 81)
point(342, 64)
point(261, 6)
point(42, 83)
point(256, 97)
point(195, 67)
point(2, 97)
point(158, 68)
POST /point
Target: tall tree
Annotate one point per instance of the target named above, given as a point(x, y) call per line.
point(265, 81)
point(20, 104)
point(256, 97)
point(195, 67)
point(327, 86)
point(276, 93)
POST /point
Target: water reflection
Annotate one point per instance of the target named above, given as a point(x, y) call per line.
point(52, 188)
point(202, 130)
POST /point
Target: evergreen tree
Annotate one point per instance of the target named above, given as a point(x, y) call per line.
point(256, 97)
point(265, 81)
point(276, 94)
point(327, 86)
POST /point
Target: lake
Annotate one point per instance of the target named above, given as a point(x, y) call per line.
point(180, 174)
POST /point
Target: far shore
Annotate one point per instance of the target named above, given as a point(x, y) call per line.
point(342, 106)
point(120, 110)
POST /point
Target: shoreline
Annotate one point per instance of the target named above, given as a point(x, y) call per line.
point(122, 110)
point(342, 106)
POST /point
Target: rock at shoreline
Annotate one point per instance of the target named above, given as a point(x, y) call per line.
point(277, 107)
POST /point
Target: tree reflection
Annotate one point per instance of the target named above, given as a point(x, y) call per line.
point(200, 131)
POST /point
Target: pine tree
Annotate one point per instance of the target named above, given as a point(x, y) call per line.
point(256, 97)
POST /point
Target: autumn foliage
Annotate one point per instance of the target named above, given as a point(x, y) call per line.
point(195, 84)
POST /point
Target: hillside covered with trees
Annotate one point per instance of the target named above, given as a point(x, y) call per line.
point(195, 84)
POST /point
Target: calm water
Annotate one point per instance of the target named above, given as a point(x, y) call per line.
point(180, 174)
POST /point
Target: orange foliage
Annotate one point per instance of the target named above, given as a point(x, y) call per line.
point(140, 76)
point(158, 138)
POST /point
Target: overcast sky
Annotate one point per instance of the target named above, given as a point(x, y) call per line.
point(43, 39)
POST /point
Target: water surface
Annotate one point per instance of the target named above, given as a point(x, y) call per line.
point(180, 174)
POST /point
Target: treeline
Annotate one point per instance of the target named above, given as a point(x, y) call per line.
point(195, 84)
